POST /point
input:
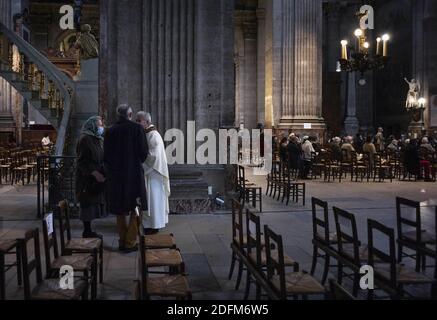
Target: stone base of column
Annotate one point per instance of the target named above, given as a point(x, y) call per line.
point(351, 126)
point(416, 130)
point(304, 126)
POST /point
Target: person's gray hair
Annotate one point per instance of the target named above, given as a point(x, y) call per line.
point(123, 111)
point(142, 115)
point(425, 140)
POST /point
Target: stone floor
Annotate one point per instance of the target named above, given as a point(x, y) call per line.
point(204, 240)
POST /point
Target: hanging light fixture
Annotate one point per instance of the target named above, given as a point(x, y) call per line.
point(362, 57)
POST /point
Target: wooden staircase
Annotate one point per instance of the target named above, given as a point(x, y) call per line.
point(38, 81)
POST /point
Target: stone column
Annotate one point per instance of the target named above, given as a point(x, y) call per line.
point(424, 55)
point(5, 88)
point(246, 68)
point(261, 70)
point(351, 124)
point(296, 64)
point(332, 33)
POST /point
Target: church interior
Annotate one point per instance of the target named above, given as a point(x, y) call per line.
point(342, 92)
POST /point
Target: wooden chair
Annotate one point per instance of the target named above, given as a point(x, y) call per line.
point(239, 241)
point(338, 292)
point(5, 167)
point(430, 250)
point(353, 254)
point(46, 289)
point(318, 165)
point(272, 177)
point(250, 192)
point(291, 284)
point(346, 164)
point(9, 247)
point(416, 237)
point(256, 252)
point(382, 169)
point(168, 286)
point(160, 241)
point(161, 257)
point(361, 167)
point(332, 169)
point(70, 246)
point(292, 188)
point(391, 276)
point(82, 263)
point(323, 239)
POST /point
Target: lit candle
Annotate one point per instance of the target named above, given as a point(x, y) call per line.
point(358, 33)
point(378, 46)
point(385, 39)
point(344, 50)
point(366, 46)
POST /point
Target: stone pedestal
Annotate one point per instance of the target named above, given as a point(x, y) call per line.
point(189, 191)
point(351, 123)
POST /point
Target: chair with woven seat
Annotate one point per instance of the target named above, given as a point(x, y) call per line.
point(346, 164)
point(9, 247)
point(249, 192)
point(160, 241)
point(323, 238)
point(318, 164)
point(292, 188)
point(337, 292)
point(83, 263)
point(287, 284)
point(353, 254)
point(167, 286)
point(430, 250)
point(45, 289)
point(20, 170)
point(416, 237)
point(70, 245)
point(161, 252)
point(5, 167)
point(238, 240)
point(256, 253)
point(391, 276)
point(272, 177)
point(332, 169)
point(382, 168)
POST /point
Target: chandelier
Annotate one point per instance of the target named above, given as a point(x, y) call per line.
point(360, 57)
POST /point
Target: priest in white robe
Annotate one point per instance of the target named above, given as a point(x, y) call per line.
point(156, 176)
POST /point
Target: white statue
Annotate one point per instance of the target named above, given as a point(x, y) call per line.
point(413, 93)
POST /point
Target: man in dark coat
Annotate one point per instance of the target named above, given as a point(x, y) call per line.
point(125, 152)
point(294, 155)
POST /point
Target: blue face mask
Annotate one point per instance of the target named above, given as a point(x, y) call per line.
point(101, 131)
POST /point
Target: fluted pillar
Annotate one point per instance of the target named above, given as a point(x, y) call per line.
point(5, 88)
point(296, 65)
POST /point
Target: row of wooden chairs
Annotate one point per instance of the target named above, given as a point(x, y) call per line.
point(158, 252)
point(375, 167)
point(262, 256)
point(345, 247)
point(283, 184)
point(83, 255)
point(18, 166)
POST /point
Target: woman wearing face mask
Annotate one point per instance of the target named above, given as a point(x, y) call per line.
point(90, 175)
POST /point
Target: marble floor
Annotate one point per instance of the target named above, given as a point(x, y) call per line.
point(204, 240)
